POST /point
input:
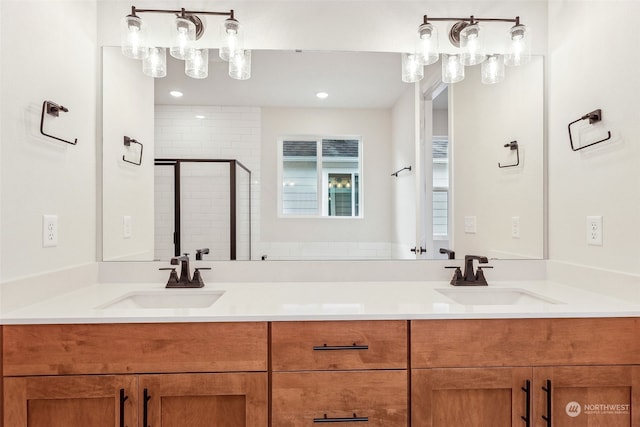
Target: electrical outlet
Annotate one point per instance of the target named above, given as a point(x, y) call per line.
point(126, 227)
point(49, 231)
point(515, 227)
point(594, 230)
point(470, 224)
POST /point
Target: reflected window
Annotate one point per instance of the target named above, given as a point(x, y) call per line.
point(321, 176)
point(440, 158)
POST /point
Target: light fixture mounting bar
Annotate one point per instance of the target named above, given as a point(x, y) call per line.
point(473, 19)
point(181, 12)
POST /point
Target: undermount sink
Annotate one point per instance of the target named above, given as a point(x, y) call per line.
point(175, 298)
point(489, 296)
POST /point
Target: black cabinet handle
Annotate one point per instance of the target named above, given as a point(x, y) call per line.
point(145, 410)
point(527, 414)
point(354, 419)
point(547, 390)
point(123, 398)
point(325, 347)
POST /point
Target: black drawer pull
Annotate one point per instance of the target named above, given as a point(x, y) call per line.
point(354, 419)
point(145, 413)
point(123, 398)
point(547, 390)
point(527, 392)
point(325, 347)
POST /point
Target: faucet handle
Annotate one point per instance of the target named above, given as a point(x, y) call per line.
point(457, 275)
point(480, 275)
point(173, 276)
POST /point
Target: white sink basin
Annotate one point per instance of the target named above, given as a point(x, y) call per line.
point(174, 298)
point(495, 296)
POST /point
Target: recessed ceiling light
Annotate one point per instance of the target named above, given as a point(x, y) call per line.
point(322, 95)
point(199, 116)
point(175, 93)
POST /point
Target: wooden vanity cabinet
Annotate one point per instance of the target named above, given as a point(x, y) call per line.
point(477, 372)
point(136, 375)
point(351, 372)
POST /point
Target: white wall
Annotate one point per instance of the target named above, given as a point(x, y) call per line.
point(403, 153)
point(329, 237)
point(382, 26)
point(54, 61)
point(483, 119)
point(593, 64)
point(127, 109)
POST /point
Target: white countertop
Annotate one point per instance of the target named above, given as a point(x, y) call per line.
point(319, 301)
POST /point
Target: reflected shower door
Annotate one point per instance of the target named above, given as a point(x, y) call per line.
point(203, 203)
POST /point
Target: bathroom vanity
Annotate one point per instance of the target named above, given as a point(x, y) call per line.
point(298, 354)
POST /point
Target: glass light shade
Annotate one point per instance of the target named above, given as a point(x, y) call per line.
point(493, 69)
point(197, 66)
point(240, 65)
point(182, 37)
point(231, 37)
point(428, 44)
point(471, 44)
point(519, 46)
point(155, 64)
point(452, 68)
point(412, 68)
point(133, 37)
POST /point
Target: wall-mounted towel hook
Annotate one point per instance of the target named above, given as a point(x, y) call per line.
point(513, 145)
point(408, 168)
point(594, 117)
point(53, 109)
point(127, 142)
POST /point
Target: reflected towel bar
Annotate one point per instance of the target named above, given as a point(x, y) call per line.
point(408, 168)
point(127, 142)
point(513, 145)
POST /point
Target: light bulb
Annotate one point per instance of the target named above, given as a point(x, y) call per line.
point(412, 68)
point(519, 47)
point(493, 69)
point(155, 64)
point(240, 65)
point(133, 37)
point(183, 35)
point(452, 68)
point(428, 44)
point(471, 43)
point(197, 66)
point(231, 36)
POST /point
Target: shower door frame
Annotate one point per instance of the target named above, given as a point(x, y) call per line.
point(233, 164)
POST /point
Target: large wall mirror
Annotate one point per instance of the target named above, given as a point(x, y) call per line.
point(416, 167)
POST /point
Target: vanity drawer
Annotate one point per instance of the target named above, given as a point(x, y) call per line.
point(134, 348)
point(374, 398)
point(300, 346)
point(524, 342)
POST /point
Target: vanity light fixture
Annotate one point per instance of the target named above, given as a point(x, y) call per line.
point(322, 95)
point(466, 34)
point(186, 29)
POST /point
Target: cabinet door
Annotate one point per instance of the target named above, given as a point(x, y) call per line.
point(368, 398)
point(477, 397)
point(204, 400)
point(79, 401)
point(594, 396)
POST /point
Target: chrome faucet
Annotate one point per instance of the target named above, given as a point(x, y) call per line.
point(469, 277)
point(185, 280)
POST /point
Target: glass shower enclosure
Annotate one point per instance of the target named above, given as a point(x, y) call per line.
point(202, 205)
